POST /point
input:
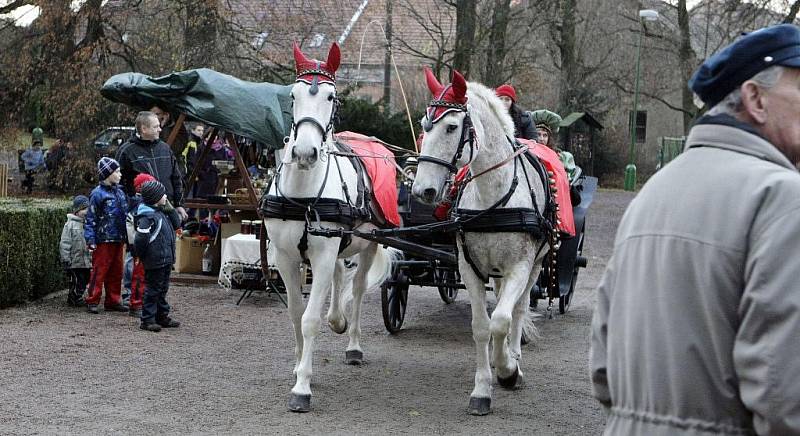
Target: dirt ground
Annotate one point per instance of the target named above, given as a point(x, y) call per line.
point(228, 369)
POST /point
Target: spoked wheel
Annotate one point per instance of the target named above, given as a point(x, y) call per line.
point(448, 291)
point(580, 262)
point(394, 298)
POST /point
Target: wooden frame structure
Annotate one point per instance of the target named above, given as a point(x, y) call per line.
point(196, 203)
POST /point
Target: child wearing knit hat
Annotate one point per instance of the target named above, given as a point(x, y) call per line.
point(105, 236)
point(75, 256)
point(154, 244)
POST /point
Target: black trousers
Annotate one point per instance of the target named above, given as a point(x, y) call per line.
point(79, 278)
point(155, 307)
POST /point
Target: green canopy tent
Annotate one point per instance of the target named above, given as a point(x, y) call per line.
point(259, 111)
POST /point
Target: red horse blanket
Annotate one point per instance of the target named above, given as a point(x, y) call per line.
point(381, 169)
point(553, 164)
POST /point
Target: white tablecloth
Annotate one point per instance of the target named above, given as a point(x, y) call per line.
point(238, 251)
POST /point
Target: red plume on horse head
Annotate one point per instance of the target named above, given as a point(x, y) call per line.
point(307, 69)
point(453, 94)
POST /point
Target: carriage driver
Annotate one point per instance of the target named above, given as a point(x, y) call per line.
point(697, 323)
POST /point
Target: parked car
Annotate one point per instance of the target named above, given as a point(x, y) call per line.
point(107, 141)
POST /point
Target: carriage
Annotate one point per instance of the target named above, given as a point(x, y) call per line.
point(309, 220)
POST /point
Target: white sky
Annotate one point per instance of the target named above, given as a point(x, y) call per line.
point(24, 15)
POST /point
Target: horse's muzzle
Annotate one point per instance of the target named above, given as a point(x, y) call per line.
point(305, 160)
point(426, 195)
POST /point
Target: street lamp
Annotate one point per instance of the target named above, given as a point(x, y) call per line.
point(630, 170)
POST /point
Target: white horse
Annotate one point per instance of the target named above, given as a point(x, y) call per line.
point(466, 124)
point(308, 177)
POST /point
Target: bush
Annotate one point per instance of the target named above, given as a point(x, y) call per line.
point(367, 118)
point(30, 230)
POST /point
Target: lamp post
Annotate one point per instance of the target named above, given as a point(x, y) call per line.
point(630, 169)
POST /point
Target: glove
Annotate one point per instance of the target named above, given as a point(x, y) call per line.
point(91, 247)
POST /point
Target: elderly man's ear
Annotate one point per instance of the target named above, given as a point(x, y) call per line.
point(754, 102)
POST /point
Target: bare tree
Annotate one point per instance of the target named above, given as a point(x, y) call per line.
point(465, 35)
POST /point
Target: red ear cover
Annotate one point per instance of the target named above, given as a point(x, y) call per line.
point(334, 57)
point(433, 83)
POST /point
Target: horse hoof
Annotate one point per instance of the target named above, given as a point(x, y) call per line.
point(339, 332)
point(299, 403)
point(353, 357)
point(479, 406)
point(514, 381)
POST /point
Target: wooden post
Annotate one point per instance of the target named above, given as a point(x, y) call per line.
point(239, 162)
point(4, 180)
point(178, 126)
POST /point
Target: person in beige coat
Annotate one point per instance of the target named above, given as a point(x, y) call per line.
point(697, 325)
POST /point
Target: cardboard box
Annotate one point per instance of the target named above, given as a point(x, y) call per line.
point(188, 255)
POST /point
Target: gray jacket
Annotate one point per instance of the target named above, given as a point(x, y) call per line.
point(697, 324)
point(72, 248)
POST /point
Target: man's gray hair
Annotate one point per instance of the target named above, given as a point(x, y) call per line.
point(732, 103)
point(141, 118)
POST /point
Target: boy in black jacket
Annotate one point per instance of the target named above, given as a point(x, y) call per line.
point(154, 244)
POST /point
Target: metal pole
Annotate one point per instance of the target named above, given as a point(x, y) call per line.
point(630, 170)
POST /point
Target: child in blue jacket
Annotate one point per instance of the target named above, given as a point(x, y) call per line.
point(154, 244)
point(105, 237)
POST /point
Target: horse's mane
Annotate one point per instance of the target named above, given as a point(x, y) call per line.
point(488, 106)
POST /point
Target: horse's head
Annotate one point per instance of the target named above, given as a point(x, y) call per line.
point(448, 139)
point(314, 106)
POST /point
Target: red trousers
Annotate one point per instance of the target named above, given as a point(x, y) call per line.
point(137, 284)
point(106, 271)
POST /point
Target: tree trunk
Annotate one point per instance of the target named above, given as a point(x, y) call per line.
point(387, 61)
point(465, 36)
point(687, 60)
point(790, 17)
point(496, 52)
point(567, 99)
point(200, 34)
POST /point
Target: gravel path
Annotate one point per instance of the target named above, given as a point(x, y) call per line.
point(227, 370)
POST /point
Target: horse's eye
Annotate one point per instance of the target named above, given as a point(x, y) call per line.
point(451, 128)
point(330, 97)
point(291, 95)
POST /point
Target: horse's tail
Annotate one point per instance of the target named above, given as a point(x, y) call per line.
point(382, 266)
point(530, 333)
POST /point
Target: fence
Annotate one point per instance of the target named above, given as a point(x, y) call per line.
point(669, 148)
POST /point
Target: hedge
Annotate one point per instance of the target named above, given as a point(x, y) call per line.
point(30, 230)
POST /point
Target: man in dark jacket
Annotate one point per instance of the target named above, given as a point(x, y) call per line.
point(155, 246)
point(146, 153)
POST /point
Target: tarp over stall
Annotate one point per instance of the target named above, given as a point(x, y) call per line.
point(259, 111)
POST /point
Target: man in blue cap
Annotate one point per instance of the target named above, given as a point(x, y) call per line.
point(697, 323)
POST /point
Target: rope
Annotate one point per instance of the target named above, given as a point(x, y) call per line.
point(397, 74)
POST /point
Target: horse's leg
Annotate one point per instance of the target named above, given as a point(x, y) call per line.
point(336, 319)
point(480, 399)
point(354, 355)
point(322, 258)
point(521, 318)
point(290, 274)
point(516, 277)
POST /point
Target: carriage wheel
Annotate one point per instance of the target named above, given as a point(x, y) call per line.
point(450, 277)
point(394, 298)
point(564, 302)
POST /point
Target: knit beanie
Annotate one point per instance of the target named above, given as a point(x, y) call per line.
point(506, 91)
point(79, 203)
point(152, 191)
point(106, 167)
point(140, 179)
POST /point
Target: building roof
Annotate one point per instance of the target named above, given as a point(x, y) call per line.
point(585, 116)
